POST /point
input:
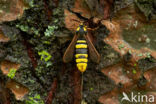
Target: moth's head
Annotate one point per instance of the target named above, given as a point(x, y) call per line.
point(81, 24)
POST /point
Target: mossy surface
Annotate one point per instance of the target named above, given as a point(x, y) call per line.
point(5, 5)
point(38, 41)
point(133, 37)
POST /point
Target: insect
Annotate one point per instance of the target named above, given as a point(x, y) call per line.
point(82, 48)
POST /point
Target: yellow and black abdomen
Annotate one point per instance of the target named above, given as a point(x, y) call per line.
point(81, 55)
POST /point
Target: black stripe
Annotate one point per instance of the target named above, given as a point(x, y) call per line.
point(81, 62)
point(81, 57)
point(81, 51)
point(82, 43)
point(82, 39)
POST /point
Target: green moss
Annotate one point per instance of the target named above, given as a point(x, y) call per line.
point(11, 73)
point(24, 28)
point(50, 31)
point(30, 3)
point(135, 65)
point(134, 71)
point(44, 55)
point(35, 100)
point(121, 46)
point(47, 42)
point(34, 30)
point(5, 5)
point(91, 89)
point(145, 6)
point(83, 102)
point(130, 52)
point(140, 54)
point(33, 24)
point(57, 11)
point(148, 30)
point(148, 55)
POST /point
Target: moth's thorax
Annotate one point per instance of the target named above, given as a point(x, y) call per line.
point(81, 30)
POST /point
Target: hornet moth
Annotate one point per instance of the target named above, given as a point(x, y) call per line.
point(81, 47)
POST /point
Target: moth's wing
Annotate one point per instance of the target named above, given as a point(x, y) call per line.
point(93, 53)
point(69, 53)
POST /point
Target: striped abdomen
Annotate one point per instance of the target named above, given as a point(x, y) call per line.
point(81, 55)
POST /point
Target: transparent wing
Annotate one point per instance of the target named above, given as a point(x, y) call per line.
point(69, 53)
point(93, 53)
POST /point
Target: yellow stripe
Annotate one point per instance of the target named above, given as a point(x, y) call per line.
point(82, 67)
point(81, 46)
point(78, 29)
point(81, 41)
point(78, 55)
point(81, 60)
point(84, 29)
